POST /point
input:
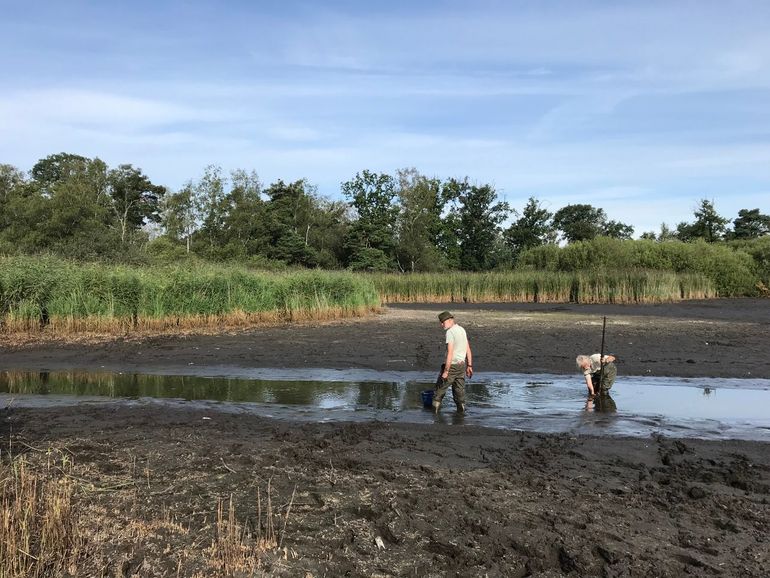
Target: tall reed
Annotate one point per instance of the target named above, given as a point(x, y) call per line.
point(628, 286)
point(65, 297)
point(70, 297)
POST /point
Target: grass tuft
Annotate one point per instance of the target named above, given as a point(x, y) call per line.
point(38, 531)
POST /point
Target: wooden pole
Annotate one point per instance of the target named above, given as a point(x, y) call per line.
point(601, 355)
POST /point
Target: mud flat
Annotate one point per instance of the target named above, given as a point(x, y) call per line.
point(376, 499)
point(719, 338)
point(401, 499)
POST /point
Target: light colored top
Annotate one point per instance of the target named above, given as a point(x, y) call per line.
point(595, 365)
point(457, 337)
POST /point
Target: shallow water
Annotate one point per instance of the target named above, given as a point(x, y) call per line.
point(638, 406)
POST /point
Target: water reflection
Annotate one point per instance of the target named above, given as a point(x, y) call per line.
point(542, 403)
point(329, 394)
point(602, 403)
point(185, 387)
point(386, 395)
point(449, 417)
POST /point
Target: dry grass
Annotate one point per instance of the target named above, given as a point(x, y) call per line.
point(60, 520)
point(96, 329)
point(38, 527)
point(237, 550)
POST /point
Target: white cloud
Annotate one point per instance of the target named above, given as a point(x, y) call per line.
point(73, 107)
point(573, 103)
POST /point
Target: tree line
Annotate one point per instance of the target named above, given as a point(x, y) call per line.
point(78, 207)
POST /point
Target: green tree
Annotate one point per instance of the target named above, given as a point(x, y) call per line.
point(330, 228)
point(245, 233)
point(370, 241)
point(666, 233)
point(448, 235)
point(11, 182)
point(289, 221)
point(76, 209)
point(213, 208)
point(61, 167)
point(21, 212)
point(136, 201)
point(617, 230)
point(419, 221)
point(579, 222)
point(533, 228)
point(180, 215)
point(11, 179)
point(708, 225)
point(477, 215)
point(583, 222)
point(750, 224)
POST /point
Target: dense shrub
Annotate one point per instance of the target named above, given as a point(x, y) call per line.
point(759, 251)
point(733, 272)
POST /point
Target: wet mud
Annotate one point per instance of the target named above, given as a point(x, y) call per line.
point(399, 499)
point(377, 499)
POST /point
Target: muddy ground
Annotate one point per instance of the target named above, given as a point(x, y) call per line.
point(719, 338)
point(403, 499)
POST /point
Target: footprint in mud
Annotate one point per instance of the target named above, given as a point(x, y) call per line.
point(607, 555)
point(692, 561)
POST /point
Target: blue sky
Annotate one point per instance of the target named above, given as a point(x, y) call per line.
point(641, 108)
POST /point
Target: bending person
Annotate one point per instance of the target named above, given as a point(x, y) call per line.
point(592, 371)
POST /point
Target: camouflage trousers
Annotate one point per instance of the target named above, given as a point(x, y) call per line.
point(455, 379)
point(607, 378)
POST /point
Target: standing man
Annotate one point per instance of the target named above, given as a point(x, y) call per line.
point(457, 364)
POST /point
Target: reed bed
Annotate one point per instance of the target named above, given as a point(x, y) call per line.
point(600, 286)
point(65, 297)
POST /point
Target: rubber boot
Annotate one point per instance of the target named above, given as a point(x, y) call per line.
point(461, 407)
point(436, 406)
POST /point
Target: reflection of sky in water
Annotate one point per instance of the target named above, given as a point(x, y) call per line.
point(638, 406)
point(323, 401)
point(689, 402)
point(665, 397)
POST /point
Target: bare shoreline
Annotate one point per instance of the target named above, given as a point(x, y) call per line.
point(719, 338)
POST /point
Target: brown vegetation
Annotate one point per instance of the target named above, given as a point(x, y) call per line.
point(58, 518)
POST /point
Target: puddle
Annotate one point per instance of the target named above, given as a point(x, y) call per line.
point(638, 406)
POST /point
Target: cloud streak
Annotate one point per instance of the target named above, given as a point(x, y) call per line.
point(642, 108)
